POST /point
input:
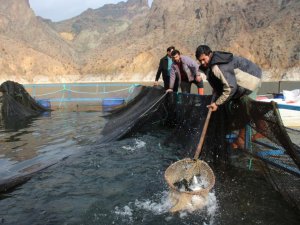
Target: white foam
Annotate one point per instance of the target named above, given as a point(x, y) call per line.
point(125, 212)
point(137, 145)
point(211, 207)
point(199, 204)
point(156, 208)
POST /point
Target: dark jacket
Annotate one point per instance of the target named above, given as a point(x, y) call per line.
point(231, 76)
point(162, 68)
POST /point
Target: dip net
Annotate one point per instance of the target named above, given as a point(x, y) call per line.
point(189, 196)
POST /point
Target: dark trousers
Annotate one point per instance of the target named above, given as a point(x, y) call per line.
point(186, 86)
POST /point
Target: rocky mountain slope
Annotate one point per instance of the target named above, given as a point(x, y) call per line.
point(29, 48)
point(124, 41)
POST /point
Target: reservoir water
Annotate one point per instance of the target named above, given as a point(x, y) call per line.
point(121, 182)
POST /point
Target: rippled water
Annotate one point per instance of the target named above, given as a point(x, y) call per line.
point(117, 183)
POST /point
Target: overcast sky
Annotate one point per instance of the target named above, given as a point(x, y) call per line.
point(57, 10)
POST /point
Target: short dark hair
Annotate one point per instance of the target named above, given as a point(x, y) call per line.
point(175, 52)
point(170, 48)
point(202, 49)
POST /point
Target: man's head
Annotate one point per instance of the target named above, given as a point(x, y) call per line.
point(169, 50)
point(176, 56)
point(203, 54)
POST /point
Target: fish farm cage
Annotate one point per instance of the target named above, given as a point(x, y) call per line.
point(82, 96)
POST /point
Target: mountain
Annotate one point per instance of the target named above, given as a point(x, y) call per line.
point(92, 27)
point(124, 41)
point(29, 49)
point(264, 31)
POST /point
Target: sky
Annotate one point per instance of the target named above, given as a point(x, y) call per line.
point(58, 10)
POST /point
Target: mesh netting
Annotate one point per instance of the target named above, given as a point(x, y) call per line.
point(124, 120)
point(184, 116)
point(16, 104)
point(286, 183)
point(265, 119)
point(187, 169)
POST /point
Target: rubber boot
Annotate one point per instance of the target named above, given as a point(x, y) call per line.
point(200, 91)
point(261, 125)
point(257, 136)
point(240, 140)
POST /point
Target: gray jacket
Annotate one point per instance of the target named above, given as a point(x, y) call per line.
point(232, 76)
point(190, 67)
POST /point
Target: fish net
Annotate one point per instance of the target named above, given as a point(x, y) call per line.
point(182, 117)
point(275, 152)
point(16, 104)
point(184, 198)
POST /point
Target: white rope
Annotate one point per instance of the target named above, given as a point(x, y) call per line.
point(50, 93)
point(96, 93)
point(153, 105)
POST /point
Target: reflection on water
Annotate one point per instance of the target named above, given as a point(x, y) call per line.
point(120, 182)
point(46, 139)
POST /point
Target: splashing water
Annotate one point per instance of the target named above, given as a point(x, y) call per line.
point(125, 212)
point(162, 206)
point(137, 145)
point(156, 208)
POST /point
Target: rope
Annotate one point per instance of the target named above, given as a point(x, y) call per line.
point(83, 92)
point(93, 93)
point(50, 93)
point(61, 99)
point(153, 105)
point(130, 91)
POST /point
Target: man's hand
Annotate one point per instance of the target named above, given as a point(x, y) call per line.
point(169, 90)
point(213, 106)
point(198, 78)
point(155, 83)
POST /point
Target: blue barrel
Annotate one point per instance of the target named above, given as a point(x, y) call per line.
point(110, 102)
point(44, 102)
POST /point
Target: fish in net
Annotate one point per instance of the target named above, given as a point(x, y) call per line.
point(190, 182)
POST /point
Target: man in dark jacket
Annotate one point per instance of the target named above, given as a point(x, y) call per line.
point(231, 77)
point(164, 68)
point(186, 71)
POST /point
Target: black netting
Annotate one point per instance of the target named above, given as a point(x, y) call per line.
point(265, 119)
point(181, 117)
point(286, 183)
point(16, 104)
point(184, 115)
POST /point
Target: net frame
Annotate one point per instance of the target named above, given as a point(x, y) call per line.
point(183, 200)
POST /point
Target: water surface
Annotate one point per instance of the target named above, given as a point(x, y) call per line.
point(120, 182)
